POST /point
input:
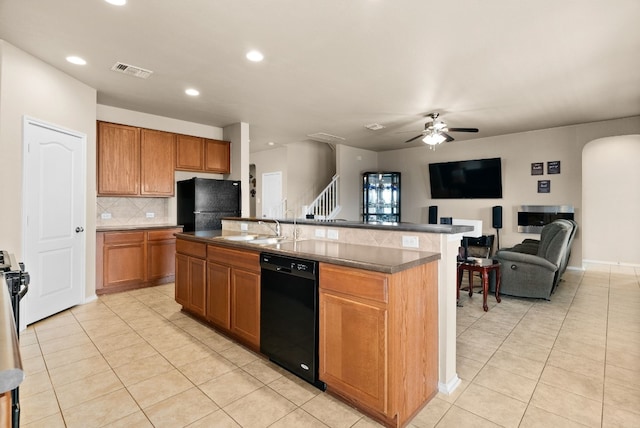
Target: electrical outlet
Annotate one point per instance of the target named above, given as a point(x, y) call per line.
point(151, 215)
point(410, 242)
point(244, 227)
point(332, 234)
point(320, 233)
point(105, 216)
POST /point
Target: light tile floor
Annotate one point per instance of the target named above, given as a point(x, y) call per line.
point(134, 360)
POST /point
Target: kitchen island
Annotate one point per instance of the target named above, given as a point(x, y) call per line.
point(379, 319)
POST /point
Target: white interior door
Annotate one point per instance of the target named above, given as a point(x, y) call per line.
point(54, 218)
point(272, 195)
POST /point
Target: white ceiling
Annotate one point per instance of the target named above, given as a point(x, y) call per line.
point(334, 66)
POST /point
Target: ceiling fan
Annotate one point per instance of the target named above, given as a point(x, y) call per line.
point(435, 132)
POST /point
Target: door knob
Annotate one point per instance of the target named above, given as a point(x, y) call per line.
point(79, 229)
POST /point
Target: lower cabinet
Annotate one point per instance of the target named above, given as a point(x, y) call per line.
point(221, 286)
point(379, 339)
point(191, 283)
point(134, 259)
point(233, 284)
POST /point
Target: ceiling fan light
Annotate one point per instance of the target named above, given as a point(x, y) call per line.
point(434, 139)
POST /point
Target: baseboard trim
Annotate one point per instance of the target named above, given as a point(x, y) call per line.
point(608, 263)
point(449, 387)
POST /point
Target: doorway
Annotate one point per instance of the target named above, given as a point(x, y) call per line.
point(272, 195)
point(54, 217)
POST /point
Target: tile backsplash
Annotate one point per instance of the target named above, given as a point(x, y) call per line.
point(132, 211)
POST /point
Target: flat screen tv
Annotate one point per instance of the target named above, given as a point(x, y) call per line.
point(469, 179)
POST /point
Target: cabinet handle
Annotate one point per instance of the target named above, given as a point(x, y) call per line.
point(79, 229)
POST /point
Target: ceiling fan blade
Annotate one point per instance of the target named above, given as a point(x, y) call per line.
point(448, 137)
point(414, 138)
point(463, 129)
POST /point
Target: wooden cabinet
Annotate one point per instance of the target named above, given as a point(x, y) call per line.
point(217, 156)
point(118, 160)
point(233, 283)
point(379, 339)
point(157, 158)
point(203, 155)
point(134, 161)
point(124, 259)
point(189, 153)
point(219, 299)
point(353, 331)
point(191, 288)
point(161, 250)
point(134, 259)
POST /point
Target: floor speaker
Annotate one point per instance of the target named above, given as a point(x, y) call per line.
point(497, 217)
point(433, 214)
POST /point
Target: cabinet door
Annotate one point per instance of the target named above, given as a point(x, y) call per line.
point(182, 280)
point(353, 349)
point(161, 250)
point(118, 159)
point(198, 286)
point(245, 305)
point(219, 296)
point(157, 163)
point(124, 258)
point(189, 153)
point(217, 156)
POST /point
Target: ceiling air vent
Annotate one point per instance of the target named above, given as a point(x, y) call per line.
point(131, 70)
point(323, 137)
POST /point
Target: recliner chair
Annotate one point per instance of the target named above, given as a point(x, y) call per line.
point(535, 275)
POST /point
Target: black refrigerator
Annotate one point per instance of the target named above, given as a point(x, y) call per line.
point(203, 202)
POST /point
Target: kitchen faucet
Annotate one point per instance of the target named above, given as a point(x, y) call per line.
point(277, 230)
point(295, 228)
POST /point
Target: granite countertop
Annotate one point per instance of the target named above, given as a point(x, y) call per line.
point(408, 227)
point(135, 227)
point(378, 259)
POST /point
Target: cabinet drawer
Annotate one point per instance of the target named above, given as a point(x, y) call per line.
point(195, 249)
point(123, 237)
point(161, 235)
point(355, 282)
point(241, 259)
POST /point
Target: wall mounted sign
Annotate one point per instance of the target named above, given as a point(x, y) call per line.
point(553, 167)
point(537, 168)
point(544, 186)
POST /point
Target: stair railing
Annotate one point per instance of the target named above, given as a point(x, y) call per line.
point(326, 205)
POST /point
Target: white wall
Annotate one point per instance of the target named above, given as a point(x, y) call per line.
point(351, 162)
point(517, 151)
point(611, 175)
point(269, 161)
point(310, 166)
point(307, 167)
point(238, 135)
point(31, 87)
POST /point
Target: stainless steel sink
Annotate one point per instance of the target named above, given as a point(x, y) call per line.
point(239, 237)
point(256, 239)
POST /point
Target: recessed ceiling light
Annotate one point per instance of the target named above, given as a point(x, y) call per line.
point(117, 2)
point(76, 60)
point(192, 92)
point(271, 143)
point(255, 56)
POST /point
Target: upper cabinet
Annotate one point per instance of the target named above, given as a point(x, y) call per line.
point(157, 159)
point(217, 156)
point(134, 161)
point(189, 153)
point(118, 160)
point(203, 155)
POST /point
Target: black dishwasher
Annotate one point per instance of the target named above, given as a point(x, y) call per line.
point(289, 314)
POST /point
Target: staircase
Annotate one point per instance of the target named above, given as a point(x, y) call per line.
point(325, 206)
